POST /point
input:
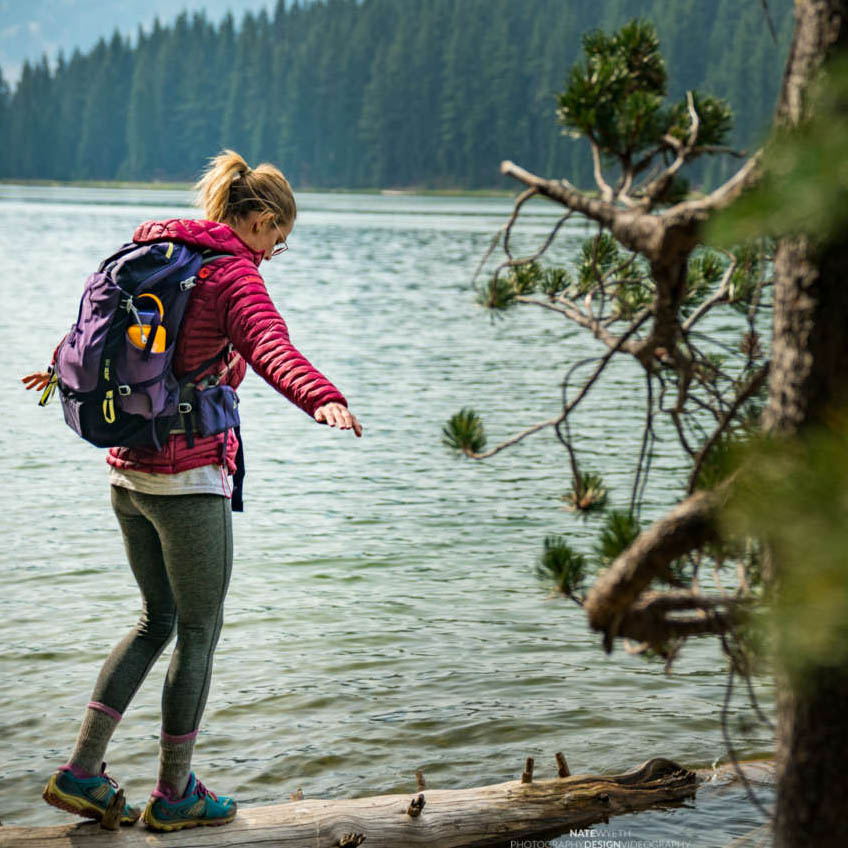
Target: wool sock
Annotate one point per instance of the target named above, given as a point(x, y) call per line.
point(98, 725)
point(175, 764)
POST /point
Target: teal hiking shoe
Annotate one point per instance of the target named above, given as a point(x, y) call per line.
point(85, 796)
point(198, 807)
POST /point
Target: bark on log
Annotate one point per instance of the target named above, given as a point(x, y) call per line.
point(487, 815)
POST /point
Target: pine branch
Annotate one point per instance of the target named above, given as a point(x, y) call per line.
point(688, 526)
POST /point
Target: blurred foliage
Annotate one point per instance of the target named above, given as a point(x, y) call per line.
point(718, 464)
point(706, 268)
point(524, 279)
point(554, 280)
point(677, 191)
point(631, 295)
point(793, 494)
point(464, 432)
point(804, 187)
point(598, 256)
point(620, 529)
point(588, 494)
point(743, 281)
point(560, 563)
point(498, 294)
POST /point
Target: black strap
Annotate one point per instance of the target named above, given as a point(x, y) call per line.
point(237, 500)
point(188, 426)
point(187, 378)
point(151, 337)
point(209, 256)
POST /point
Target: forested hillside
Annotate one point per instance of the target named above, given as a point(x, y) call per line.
point(365, 93)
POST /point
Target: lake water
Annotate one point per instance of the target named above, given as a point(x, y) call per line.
point(384, 615)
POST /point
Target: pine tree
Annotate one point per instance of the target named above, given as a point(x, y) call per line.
point(368, 92)
point(5, 112)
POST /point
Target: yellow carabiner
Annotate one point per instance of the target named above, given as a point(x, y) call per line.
point(109, 408)
point(48, 390)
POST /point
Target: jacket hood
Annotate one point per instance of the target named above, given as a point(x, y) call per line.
point(197, 233)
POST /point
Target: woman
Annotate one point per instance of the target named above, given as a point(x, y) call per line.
point(156, 495)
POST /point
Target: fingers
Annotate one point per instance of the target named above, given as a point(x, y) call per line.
point(37, 380)
point(336, 415)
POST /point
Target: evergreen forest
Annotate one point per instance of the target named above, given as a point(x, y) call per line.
point(370, 93)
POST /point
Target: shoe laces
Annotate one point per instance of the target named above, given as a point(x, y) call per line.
point(202, 791)
point(112, 782)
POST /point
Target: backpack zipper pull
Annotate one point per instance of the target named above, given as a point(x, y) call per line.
point(109, 407)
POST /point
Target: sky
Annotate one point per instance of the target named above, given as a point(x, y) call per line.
point(29, 28)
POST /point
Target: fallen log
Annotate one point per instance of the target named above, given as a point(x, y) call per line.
point(460, 818)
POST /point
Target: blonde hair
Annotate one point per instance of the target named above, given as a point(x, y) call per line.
point(230, 189)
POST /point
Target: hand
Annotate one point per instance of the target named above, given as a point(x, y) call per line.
point(339, 416)
point(37, 380)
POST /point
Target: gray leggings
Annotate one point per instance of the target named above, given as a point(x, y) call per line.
point(180, 550)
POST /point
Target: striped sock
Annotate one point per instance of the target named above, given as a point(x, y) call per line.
point(98, 725)
point(175, 763)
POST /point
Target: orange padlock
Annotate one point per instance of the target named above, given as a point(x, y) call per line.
point(139, 333)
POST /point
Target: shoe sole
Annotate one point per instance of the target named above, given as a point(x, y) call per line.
point(152, 823)
point(74, 804)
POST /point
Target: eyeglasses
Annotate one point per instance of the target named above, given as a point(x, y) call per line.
point(280, 248)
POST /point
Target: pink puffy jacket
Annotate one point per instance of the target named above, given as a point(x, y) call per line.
point(229, 304)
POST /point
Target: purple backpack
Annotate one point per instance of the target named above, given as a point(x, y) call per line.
point(113, 369)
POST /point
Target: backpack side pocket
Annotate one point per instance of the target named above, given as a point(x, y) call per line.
point(216, 410)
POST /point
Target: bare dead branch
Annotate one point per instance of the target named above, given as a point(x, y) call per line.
point(516, 208)
point(553, 422)
point(515, 439)
point(653, 190)
point(620, 345)
point(563, 192)
point(655, 618)
point(624, 266)
point(720, 148)
point(573, 312)
point(767, 814)
point(695, 119)
point(750, 388)
point(688, 526)
point(724, 195)
point(526, 260)
point(770, 21)
point(675, 417)
point(489, 250)
point(719, 297)
point(603, 185)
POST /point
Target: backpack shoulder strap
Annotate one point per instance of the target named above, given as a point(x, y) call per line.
point(195, 372)
point(211, 256)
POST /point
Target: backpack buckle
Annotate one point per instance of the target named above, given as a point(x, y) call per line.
point(184, 408)
point(124, 391)
point(188, 283)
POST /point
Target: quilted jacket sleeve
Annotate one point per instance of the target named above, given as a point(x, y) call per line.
point(258, 332)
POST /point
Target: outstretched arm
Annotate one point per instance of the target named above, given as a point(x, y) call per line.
point(258, 332)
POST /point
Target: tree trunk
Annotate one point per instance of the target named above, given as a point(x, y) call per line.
point(809, 378)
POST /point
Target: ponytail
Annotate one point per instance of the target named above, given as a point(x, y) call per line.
point(230, 189)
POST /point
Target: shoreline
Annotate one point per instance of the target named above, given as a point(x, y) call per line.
point(157, 185)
